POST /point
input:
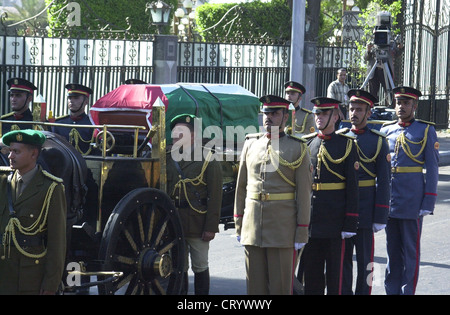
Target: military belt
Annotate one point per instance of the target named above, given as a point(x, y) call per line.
point(366, 183)
point(407, 169)
point(271, 197)
point(328, 186)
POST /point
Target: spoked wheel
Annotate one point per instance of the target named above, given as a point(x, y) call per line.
point(143, 238)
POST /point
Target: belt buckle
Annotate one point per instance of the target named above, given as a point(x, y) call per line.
point(394, 170)
point(314, 186)
point(264, 197)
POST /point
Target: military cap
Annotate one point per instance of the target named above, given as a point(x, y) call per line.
point(135, 81)
point(272, 103)
point(294, 86)
point(405, 92)
point(324, 103)
point(19, 84)
point(182, 119)
point(74, 89)
point(26, 136)
point(362, 96)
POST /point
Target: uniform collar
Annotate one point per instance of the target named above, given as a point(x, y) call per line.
point(359, 131)
point(280, 135)
point(406, 124)
point(325, 137)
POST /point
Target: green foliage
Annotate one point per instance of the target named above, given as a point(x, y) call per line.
point(253, 20)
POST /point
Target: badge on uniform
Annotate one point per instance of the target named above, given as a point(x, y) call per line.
point(356, 165)
point(388, 158)
point(436, 145)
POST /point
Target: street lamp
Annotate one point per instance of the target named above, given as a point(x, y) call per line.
point(159, 12)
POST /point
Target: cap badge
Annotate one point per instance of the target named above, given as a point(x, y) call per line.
point(16, 81)
point(188, 119)
point(19, 137)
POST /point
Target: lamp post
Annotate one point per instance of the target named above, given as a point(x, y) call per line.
point(159, 13)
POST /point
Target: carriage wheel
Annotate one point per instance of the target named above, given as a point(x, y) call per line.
point(143, 239)
point(110, 141)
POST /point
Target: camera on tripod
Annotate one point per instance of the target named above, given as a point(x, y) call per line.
point(382, 35)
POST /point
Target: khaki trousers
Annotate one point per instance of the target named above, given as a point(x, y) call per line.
point(269, 270)
point(198, 250)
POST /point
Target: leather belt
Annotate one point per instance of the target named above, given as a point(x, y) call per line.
point(407, 169)
point(328, 186)
point(366, 183)
point(271, 197)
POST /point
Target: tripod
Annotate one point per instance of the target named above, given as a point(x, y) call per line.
point(382, 62)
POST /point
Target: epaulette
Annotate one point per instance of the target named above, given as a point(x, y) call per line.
point(7, 115)
point(5, 169)
point(426, 122)
point(309, 136)
point(53, 177)
point(389, 123)
point(377, 132)
point(306, 110)
point(254, 136)
point(345, 135)
point(300, 139)
point(342, 130)
point(61, 117)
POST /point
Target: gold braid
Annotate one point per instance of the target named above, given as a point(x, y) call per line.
point(181, 184)
point(403, 141)
point(323, 156)
point(292, 165)
point(74, 135)
point(37, 227)
point(365, 159)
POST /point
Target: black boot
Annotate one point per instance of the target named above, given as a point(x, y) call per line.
point(201, 282)
point(184, 284)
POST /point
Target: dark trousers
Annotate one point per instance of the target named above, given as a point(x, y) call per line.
point(363, 244)
point(323, 255)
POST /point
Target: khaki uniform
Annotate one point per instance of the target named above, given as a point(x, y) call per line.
point(23, 270)
point(272, 210)
point(304, 121)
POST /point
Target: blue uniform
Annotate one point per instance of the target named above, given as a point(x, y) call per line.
point(413, 147)
point(83, 143)
point(374, 195)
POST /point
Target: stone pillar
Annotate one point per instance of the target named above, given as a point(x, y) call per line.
point(165, 59)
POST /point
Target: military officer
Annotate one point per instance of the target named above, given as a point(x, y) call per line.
point(334, 213)
point(272, 202)
point(20, 96)
point(304, 120)
point(77, 99)
point(414, 148)
point(374, 191)
point(195, 185)
point(32, 220)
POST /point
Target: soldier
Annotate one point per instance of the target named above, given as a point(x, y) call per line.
point(272, 204)
point(81, 138)
point(374, 191)
point(21, 95)
point(32, 220)
point(304, 120)
point(196, 188)
point(334, 213)
point(413, 146)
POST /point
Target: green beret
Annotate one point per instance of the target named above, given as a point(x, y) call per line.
point(27, 136)
point(182, 119)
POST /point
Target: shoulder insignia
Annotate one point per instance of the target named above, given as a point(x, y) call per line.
point(343, 130)
point(309, 136)
point(389, 123)
point(61, 117)
point(306, 110)
point(345, 135)
point(52, 177)
point(7, 115)
point(253, 136)
point(296, 137)
point(425, 122)
point(377, 132)
point(5, 169)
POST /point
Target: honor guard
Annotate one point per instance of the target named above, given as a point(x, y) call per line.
point(413, 146)
point(20, 96)
point(195, 185)
point(32, 220)
point(334, 213)
point(77, 99)
point(272, 202)
point(374, 191)
point(304, 120)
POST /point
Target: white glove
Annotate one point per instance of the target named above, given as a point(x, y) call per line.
point(424, 212)
point(347, 234)
point(298, 246)
point(377, 227)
